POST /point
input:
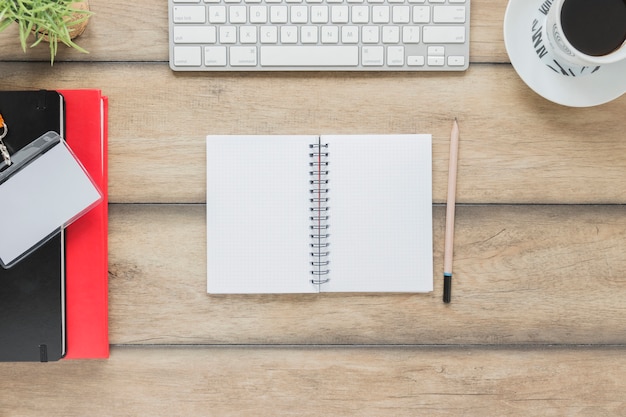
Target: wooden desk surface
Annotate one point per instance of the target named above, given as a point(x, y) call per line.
point(537, 325)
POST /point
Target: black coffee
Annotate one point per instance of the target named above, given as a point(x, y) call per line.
point(594, 27)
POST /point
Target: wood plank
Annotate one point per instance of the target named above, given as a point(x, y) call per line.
point(401, 381)
point(118, 31)
point(138, 31)
point(523, 275)
point(516, 147)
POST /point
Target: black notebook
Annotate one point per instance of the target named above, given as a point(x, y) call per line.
point(332, 213)
point(32, 292)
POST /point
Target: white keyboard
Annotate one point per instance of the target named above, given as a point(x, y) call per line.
point(345, 35)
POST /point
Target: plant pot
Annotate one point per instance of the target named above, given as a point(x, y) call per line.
point(77, 29)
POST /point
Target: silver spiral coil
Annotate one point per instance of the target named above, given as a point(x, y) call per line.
point(319, 213)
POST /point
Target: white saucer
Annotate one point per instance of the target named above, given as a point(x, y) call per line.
point(580, 88)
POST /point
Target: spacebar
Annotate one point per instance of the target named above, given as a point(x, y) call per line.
point(309, 56)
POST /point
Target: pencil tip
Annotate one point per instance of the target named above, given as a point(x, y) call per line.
point(447, 288)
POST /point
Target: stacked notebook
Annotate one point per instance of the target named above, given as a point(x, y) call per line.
point(53, 302)
point(86, 238)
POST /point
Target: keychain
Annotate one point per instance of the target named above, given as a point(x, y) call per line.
point(3, 149)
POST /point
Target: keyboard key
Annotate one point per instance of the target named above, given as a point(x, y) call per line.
point(415, 60)
point(278, 14)
point(217, 14)
point(436, 61)
point(243, 56)
point(339, 14)
point(319, 14)
point(449, 14)
point(401, 14)
point(258, 14)
point(189, 14)
point(391, 34)
point(237, 14)
point(456, 61)
point(372, 56)
point(187, 56)
point(395, 56)
point(350, 34)
point(380, 14)
point(308, 34)
point(215, 56)
point(247, 34)
point(194, 34)
point(360, 14)
point(410, 34)
point(299, 14)
point(228, 34)
point(421, 14)
point(330, 34)
point(370, 34)
point(436, 50)
point(269, 34)
point(309, 56)
point(443, 34)
point(289, 34)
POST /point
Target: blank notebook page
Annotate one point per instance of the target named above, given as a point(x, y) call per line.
point(257, 214)
point(380, 213)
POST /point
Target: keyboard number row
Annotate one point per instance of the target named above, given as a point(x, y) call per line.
point(318, 1)
point(318, 14)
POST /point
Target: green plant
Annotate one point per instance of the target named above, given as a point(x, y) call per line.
point(50, 20)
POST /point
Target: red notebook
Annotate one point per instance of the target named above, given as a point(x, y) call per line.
point(86, 246)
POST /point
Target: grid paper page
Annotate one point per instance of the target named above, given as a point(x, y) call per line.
point(380, 213)
point(257, 214)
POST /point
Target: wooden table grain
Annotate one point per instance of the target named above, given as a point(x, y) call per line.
point(537, 324)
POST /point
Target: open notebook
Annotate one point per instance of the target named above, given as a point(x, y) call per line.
point(335, 213)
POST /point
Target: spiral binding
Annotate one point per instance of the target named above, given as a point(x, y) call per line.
point(319, 213)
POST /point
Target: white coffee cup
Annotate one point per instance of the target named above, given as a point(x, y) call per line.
point(562, 46)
